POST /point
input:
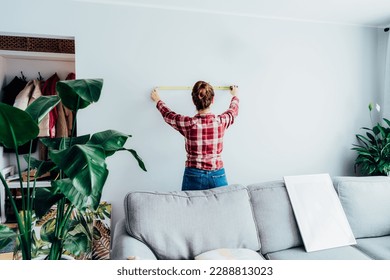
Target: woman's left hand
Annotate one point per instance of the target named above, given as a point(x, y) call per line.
point(155, 96)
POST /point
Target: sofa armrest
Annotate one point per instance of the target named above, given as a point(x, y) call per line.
point(125, 246)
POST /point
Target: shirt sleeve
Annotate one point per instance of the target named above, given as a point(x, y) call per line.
point(227, 118)
point(177, 121)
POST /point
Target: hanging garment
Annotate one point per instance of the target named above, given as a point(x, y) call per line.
point(65, 117)
point(28, 95)
point(23, 98)
point(11, 90)
point(71, 76)
point(49, 88)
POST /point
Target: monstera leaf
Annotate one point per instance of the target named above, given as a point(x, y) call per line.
point(78, 94)
point(16, 126)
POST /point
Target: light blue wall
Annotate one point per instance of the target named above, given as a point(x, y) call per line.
point(304, 86)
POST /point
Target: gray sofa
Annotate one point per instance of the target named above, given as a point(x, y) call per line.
point(259, 217)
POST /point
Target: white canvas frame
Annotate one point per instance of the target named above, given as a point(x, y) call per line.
point(318, 211)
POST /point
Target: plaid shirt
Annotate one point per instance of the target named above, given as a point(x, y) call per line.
point(203, 134)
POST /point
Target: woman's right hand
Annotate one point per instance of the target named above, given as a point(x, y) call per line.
point(155, 96)
point(234, 90)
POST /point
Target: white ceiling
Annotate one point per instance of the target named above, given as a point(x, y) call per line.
point(374, 13)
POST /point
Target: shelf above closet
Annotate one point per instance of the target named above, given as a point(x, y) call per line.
point(37, 55)
point(34, 47)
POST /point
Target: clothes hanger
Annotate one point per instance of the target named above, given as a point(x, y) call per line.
point(40, 78)
point(23, 77)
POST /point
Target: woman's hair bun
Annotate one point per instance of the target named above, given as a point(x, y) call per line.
point(202, 95)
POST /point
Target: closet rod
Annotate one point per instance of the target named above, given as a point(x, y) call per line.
point(190, 88)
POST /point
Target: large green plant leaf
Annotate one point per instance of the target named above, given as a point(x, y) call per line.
point(7, 235)
point(41, 165)
point(137, 158)
point(77, 197)
point(372, 138)
point(86, 167)
point(84, 164)
point(381, 130)
point(78, 94)
point(44, 200)
point(110, 140)
point(42, 106)
point(16, 126)
point(386, 121)
point(55, 143)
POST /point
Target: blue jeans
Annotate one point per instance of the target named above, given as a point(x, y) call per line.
point(198, 179)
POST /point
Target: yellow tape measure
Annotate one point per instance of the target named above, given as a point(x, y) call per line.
point(190, 88)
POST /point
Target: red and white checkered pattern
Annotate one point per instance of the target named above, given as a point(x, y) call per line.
point(203, 134)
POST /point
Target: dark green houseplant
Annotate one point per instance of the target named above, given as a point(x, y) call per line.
point(373, 148)
point(80, 163)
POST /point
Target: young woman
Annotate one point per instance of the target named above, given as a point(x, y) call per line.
point(203, 135)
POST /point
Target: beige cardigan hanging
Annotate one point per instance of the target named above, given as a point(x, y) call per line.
point(28, 95)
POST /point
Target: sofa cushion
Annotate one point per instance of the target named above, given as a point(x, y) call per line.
point(376, 247)
point(339, 253)
point(230, 254)
point(274, 216)
point(366, 202)
point(182, 225)
point(125, 246)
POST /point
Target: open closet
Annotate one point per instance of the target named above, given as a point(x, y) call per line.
point(29, 67)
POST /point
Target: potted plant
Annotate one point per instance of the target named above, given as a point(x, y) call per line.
point(80, 162)
point(373, 148)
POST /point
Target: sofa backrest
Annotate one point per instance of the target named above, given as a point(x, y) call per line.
point(182, 225)
point(366, 203)
point(274, 216)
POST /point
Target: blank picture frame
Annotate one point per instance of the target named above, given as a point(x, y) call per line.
point(318, 211)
